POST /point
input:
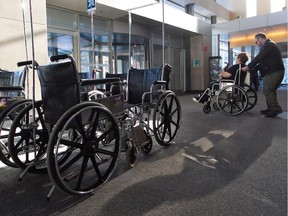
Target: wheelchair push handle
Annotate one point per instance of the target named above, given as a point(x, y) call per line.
point(26, 63)
point(61, 57)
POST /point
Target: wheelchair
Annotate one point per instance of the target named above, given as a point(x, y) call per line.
point(12, 97)
point(77, 138)
point(152, 109)
point(233, 97)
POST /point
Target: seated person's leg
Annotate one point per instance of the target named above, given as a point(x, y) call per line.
point(204, 96)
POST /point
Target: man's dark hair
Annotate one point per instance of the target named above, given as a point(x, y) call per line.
point(261, 35)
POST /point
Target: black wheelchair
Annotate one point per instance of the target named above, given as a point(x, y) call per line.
point(78, 138)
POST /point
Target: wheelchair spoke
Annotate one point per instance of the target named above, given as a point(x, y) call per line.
point(71, 162)
point(94, 126)
point(96, 168)
point(106, 133)
point(71, 143)
point(81, 128)
point(82, 172)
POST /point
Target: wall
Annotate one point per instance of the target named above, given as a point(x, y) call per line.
point(12, 35)
point(263, 7)
point(200, 49)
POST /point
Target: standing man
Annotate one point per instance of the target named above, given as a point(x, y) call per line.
point(270, 61)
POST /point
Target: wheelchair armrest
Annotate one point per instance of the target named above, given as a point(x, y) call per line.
point(86, 82)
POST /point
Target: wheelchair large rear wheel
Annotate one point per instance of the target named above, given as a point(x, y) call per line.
point(90, 135)
point(166, 118)
point(7, 116)
point(252, 96)
point(23, 132)
point(232, 100)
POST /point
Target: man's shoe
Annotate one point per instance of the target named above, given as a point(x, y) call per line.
point(278, 111)
point(264, 111)
point(270, 113)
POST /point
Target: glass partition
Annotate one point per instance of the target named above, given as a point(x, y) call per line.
point(101, 53)
point(60, 43)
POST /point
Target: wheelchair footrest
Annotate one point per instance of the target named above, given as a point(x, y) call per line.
point(140, 135)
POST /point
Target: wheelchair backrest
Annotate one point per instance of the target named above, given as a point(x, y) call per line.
point(240, 77)
point(60, 89)
point(139, 81)
point(115, 89)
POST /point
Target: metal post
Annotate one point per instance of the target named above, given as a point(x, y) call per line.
point(91, 8)
point(93, 45)
point(129, 45)
point(25, 44)
point(33, 78)
point(163, 33)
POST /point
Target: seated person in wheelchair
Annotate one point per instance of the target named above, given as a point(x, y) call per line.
point(228, 73)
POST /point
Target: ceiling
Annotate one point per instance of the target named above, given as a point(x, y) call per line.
point(117, 10)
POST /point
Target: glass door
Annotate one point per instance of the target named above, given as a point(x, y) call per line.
point(101, 54)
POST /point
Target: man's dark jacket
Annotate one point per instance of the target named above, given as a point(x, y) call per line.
point(269, 58)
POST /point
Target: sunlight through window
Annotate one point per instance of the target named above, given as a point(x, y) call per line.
point(277, 7)
point(251, 8)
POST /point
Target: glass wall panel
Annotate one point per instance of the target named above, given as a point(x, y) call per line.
point(121, 54)
point(59, 18)
point(223, 52)
point(59, 44)
point(101, 53)
point(101, 27)
point(138, 52)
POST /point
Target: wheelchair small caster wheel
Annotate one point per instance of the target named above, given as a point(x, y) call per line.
point(215, 106)
point(147, 147)
point(206, 109)
point(131, 155)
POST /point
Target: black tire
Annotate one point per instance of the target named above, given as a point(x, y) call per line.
point(131, 155)
point(6, 118)
point(147, 147)
point(252, 96)
point(166, 118)
point(93, 149)
point(206, 109)
point(232, 100)
point(22, 148)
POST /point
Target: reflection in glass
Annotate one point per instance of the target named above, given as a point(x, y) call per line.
point(59, 44)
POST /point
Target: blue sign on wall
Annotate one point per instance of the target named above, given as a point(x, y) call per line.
point(91, 5)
